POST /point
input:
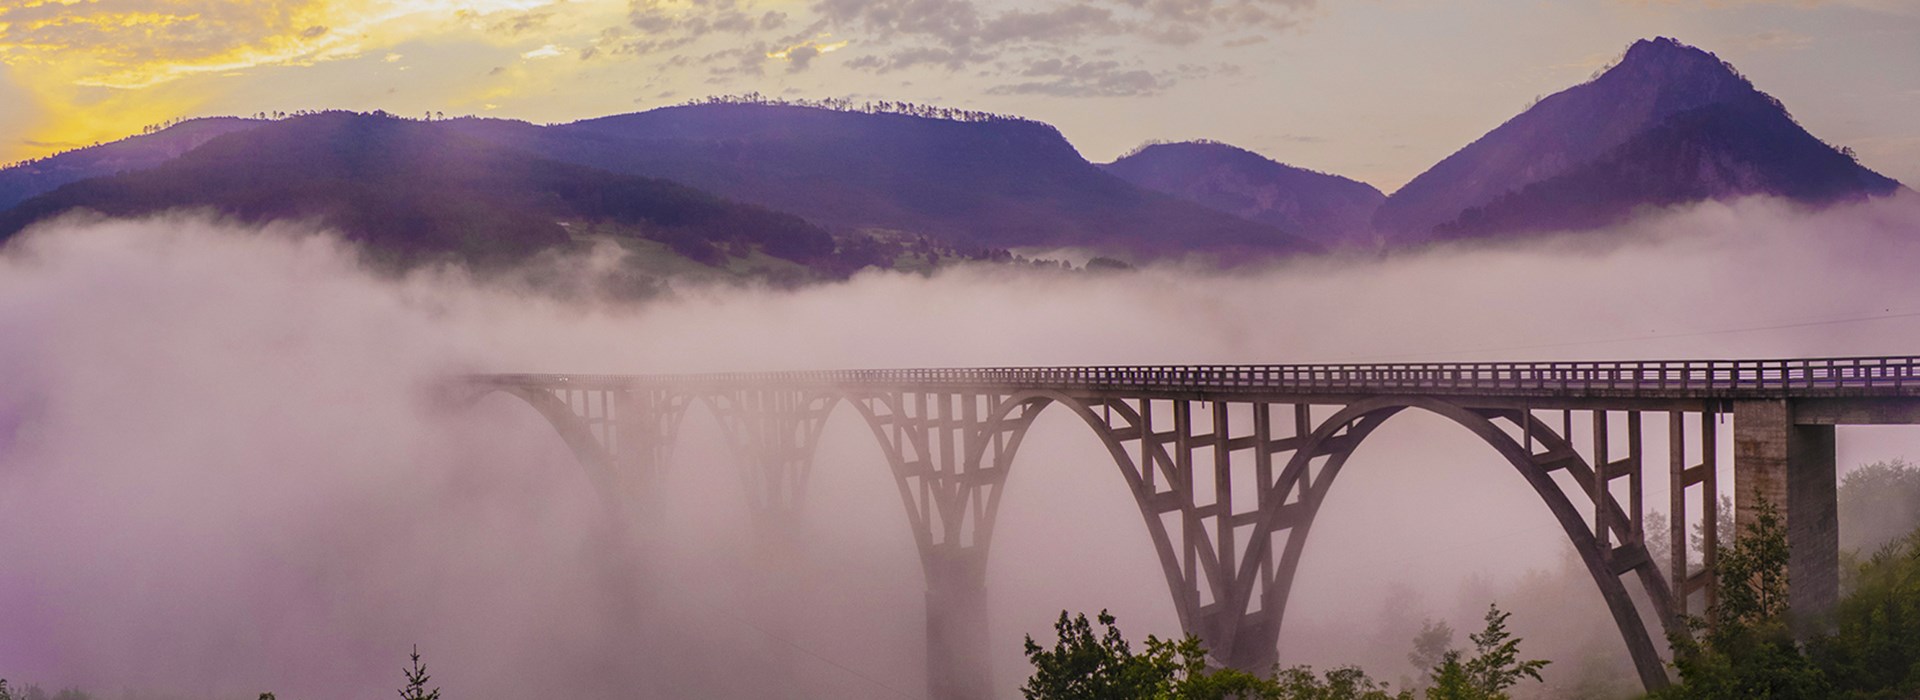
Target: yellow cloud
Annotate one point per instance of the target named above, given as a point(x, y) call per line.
point(817, 46)
point(140, 43)
point(100, 69)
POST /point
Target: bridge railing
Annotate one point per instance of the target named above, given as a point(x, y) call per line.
point(1894, 375)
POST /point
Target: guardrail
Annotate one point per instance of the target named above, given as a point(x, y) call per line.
point(1851, 375)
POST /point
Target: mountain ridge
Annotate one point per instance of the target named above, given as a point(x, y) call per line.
point(1330, 210)
point(412, 193)
point(993, 182)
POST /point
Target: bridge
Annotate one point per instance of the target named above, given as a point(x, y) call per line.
point(1230, 465)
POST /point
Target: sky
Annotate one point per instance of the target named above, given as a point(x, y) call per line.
point(1377, 90)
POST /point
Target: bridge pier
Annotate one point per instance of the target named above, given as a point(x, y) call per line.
point(1702, 475)
point(959, 666)
point(1215, 484)
point(949, 452)
point(773, 433)
point(1792, 466)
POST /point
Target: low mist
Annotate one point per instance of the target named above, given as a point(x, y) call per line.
point(224, 470)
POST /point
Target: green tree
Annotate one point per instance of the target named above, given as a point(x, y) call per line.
point(1495, 666)
point(1344, 683)
point(1744, 649)
point(1430, 646)
point(1723, 529)
point(417, 680)
point(1874, 651)
point(1083, 665)
point(1879, 503)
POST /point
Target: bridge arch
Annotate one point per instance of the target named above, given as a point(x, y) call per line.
point(1605, 565)
point(595, 460)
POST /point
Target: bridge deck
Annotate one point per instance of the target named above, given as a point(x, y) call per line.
point(1674, 379)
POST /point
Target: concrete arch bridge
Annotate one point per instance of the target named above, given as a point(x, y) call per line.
point(1230, 465)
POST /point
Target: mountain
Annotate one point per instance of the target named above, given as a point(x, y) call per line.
point(1668, 124)
point(24, 180)
point(1329, 210)
point(1713, 152)
point(992, 182)
point(413, 192)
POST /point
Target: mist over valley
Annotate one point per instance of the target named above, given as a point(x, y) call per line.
point(235, 456)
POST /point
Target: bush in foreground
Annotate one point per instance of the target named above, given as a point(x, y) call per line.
point(1083, 665)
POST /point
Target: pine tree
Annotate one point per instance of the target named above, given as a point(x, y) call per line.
point(417, 680)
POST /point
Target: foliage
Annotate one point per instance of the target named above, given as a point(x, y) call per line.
point(1744, 648)
point(1103, 666)
point(1723, 531)
point(844, 104)
point(1495, 666)
point(1875, 649)
point(1344, 683)
point(1879, 503)
point(1081, 665)
point(1753, 573)
point(417, 680)
point(1430, 646)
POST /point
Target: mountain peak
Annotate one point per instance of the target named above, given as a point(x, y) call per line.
point(1668, 124)
point(1655, 80)
point(1662, 49)
point(1676, 67)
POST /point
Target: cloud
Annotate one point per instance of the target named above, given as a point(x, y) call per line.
point(962, 24)
point(521, 23)
point(1066, 23)
point(99, 70)
point(135, 43)
point(1900, 8)
point(669, 24)
point(1045, 42)
point(1776, 40)
point(800, 56)
point(141, 43)
point(1073, 77)
point(748, 60)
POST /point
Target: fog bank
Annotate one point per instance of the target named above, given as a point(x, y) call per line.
point(222, 470)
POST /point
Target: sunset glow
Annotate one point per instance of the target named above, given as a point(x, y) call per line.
point(1373, 90)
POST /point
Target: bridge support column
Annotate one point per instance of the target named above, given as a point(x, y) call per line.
point(1792, 466)
point(958, 663)
point(949, 452)
point(1225, 507)
point(640, 440)
point(621, 436)
point(773, 432)
point(1702, 476)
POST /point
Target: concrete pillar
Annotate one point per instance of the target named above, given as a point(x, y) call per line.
point(1253, 648)
point(1792, 466)
point(958, 667)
